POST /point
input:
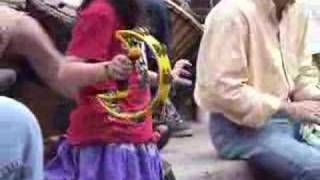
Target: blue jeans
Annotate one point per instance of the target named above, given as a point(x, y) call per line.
point(21, 148)
point(274, 149)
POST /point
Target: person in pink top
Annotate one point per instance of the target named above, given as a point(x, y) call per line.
point(97, 145)
point(21, 146)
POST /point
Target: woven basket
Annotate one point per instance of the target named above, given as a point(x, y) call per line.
point(186, 30)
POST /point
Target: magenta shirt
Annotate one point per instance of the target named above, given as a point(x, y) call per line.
point(93, 39)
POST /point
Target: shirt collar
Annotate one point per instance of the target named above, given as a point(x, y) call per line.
point(269, 7)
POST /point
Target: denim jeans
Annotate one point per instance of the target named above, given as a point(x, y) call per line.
point(275, 149)
point(21, 148)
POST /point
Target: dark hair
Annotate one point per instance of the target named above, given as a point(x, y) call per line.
point(128, 10)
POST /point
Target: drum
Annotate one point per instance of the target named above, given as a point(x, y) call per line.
point(32, 92)
point(42, 101)
point(186, 31)
point(57, 16)
point(16, 4)
point(6, 62)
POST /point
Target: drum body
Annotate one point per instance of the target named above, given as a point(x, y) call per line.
point(16, 4)
point(56, 16)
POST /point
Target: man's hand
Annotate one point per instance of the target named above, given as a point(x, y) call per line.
point(180, 73)
point(305, 111)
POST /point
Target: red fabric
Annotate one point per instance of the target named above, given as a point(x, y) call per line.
point(93, 38)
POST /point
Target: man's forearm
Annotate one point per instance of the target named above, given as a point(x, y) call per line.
point(308, 93)
point(284, 106)
point(30, 40)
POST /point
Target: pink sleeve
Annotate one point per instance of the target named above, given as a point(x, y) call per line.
point(92, 34)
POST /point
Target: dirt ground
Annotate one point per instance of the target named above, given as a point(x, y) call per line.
point(194, 158)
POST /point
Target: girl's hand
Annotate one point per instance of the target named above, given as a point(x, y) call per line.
point(180, 73)
point(120, 67)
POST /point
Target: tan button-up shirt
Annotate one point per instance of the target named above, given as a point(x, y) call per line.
point(249, 61)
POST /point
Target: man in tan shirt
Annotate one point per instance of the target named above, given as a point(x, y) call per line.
point(255, 76)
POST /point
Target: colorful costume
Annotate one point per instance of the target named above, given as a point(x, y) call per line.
point(98, 146)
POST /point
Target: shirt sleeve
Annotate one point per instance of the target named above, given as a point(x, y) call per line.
point(222, 84)
point(306, 83)
point(92, 35)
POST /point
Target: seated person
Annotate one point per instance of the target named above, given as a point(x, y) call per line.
point(256, 78)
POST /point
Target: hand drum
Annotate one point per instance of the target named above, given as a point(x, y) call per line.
point(132, 39)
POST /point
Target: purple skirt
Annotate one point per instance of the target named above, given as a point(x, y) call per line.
point(105, 162)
